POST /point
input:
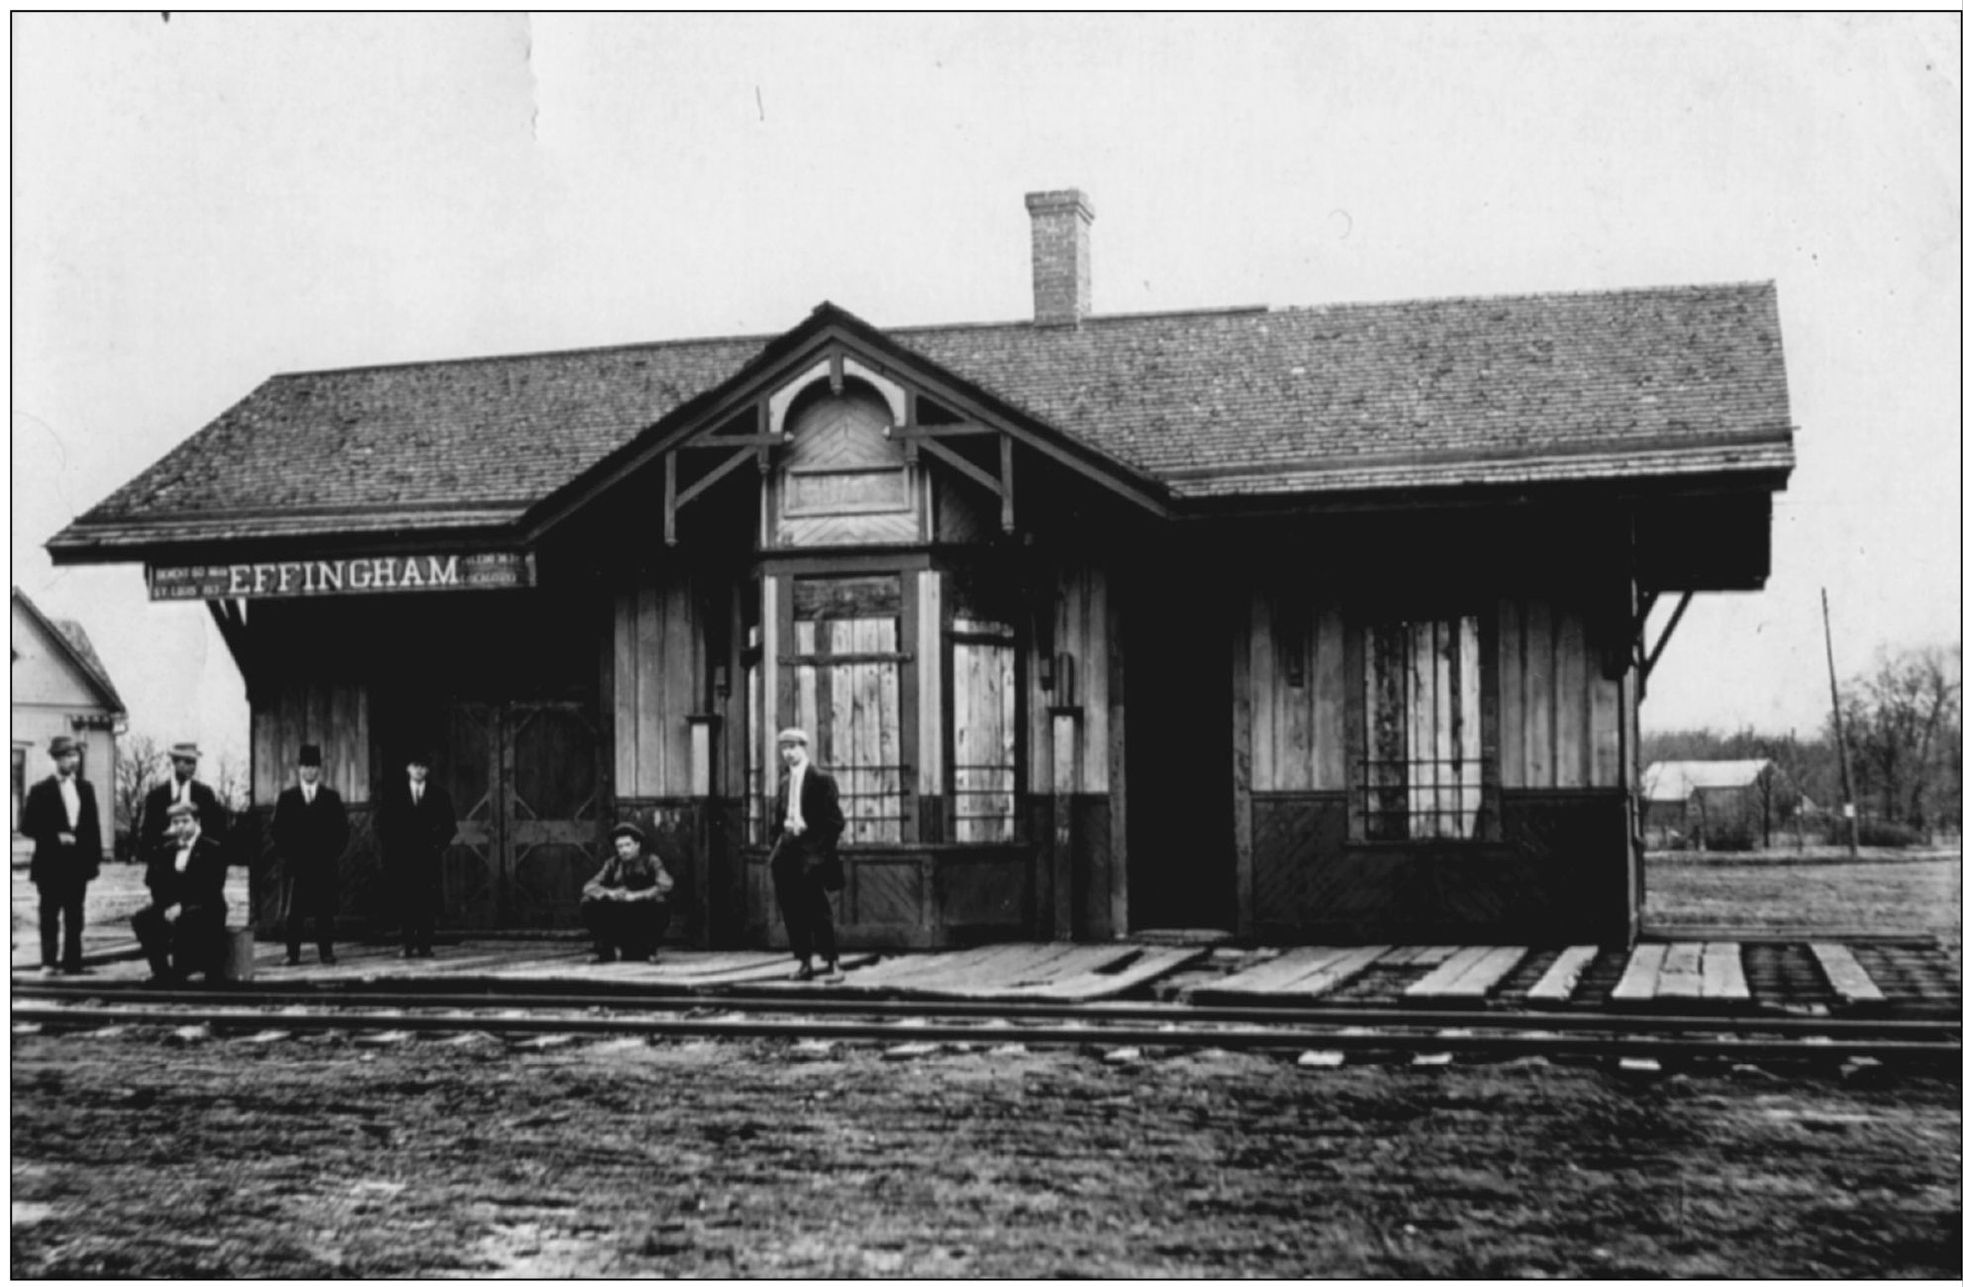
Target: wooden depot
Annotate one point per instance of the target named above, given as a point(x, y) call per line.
point(1065, 698)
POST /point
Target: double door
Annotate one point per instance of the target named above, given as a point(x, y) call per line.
point(532, 815)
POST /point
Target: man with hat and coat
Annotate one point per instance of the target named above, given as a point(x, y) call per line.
point(60, 816)
point(183, 929)
point(804, 864)
point(183, 785)
point(309, 830)
point(626, 902)
point(415, 823)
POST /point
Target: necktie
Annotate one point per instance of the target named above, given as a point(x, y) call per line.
point(794, 814)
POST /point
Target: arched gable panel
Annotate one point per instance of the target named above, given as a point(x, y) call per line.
point(842, 480)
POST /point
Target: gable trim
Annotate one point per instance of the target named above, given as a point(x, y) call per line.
point(830, 334)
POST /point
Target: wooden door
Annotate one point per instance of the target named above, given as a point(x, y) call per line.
point(554, 814)
point(467, 767)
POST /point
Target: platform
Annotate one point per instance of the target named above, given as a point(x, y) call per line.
point(1816, 976)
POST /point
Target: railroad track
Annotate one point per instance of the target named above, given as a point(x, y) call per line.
point(1663, 1039)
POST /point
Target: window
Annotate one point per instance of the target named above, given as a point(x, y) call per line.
point(984, 698)
point(1423, 767)
point(845, 693)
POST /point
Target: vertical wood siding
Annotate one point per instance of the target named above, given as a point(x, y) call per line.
point(1561, 722)
point(657, 680)
point(1296, 729)
point(1082, 632)
point(332, 714)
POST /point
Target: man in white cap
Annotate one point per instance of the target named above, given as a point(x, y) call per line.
point(183, 929)
point(804, 864)
point(60, 816)
point(183, 785)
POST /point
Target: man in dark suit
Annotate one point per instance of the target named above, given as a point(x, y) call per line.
point(183, 929)
point(183, 785)
point(804, 864)
point(415, 823)
point(310, 829)
point(59, 815)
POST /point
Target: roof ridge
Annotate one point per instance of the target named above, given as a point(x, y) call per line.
point(1678, 288)
point(1091, 320)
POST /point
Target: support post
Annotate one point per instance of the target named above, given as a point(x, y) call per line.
point(1851, 806)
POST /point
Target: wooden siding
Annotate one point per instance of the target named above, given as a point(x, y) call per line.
point(657, 684)
point(332, 714)
point(1560, 714)
point(1560, 718)
point(842, 437)
point(1082, 624)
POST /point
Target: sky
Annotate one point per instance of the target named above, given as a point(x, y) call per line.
point(201, 202)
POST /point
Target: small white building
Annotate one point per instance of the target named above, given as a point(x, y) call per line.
point(60, 686)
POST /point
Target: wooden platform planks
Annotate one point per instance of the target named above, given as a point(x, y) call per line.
point(1303, 972)
point(1640, 977)
point(1682, 975)
point(1689, 971)
point(1724, 973)
point(1469, 974)
point(1845, 975)
point(1558, 984)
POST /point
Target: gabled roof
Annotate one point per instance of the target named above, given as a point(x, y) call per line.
point(72, 642)
point(1212, 405)
point(1668, 781)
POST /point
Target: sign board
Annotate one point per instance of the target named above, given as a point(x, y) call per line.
point(1847, 810)
point(331, 578)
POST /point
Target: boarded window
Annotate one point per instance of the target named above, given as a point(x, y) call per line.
point(1422, 772)
point(984, 698)
point(845, 693)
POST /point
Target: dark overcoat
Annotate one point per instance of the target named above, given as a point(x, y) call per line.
point(309, 838)
point(43, 818)
point(412, 833)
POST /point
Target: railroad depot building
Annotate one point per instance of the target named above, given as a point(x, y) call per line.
point(1308, 624)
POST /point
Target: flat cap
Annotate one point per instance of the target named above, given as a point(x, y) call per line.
point(793, 735)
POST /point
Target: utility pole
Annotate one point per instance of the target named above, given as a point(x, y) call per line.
point(1840, 739)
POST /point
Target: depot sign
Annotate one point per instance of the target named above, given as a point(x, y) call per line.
point(317, 578)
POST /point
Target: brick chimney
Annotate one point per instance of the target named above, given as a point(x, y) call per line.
point(1060, 255)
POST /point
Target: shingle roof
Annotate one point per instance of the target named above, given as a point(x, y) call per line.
point(1215, 404)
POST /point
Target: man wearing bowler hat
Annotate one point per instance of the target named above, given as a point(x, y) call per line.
point(183, 786)
point(415, 823)
point(59, 815)
point(626, 903)
point(804, 864)
point(310, 829)
point(183, 929)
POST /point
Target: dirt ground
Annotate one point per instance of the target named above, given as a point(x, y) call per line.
point(142, 1154)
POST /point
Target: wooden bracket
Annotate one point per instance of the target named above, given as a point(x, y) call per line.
point(1655, 655)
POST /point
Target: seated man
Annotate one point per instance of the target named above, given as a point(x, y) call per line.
point(183, 929)
point(626, 904)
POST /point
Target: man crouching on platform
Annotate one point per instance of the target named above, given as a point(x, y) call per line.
point(626, 904)
point(183, 929)
point(804, 864)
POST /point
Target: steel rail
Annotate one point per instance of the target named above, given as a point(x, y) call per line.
point(1182, 1036)
point(815, 1002)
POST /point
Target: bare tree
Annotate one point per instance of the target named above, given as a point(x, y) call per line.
point(140, 766)
point(1901, 730)
point(232, 783)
